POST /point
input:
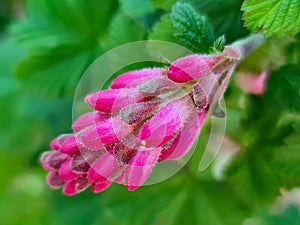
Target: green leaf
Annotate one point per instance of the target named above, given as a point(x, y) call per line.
point(252, 178)
point(276, 18)
point(223, 16)
point(191, 29)
point(14, 124)
point(164, 4)
point(10, 53)
point(219, 43)
point(136, 8)
point(61, 39)
point(283, 89)
point(163, 30)
point(35, 117)
point(45, 76)
point(285, 160)
point(293, 55)
point(186, 27)
point(118, 31)
point(77, 210)
point(266, 163)
point(180, 200)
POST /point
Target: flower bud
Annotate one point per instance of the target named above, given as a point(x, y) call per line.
point(88, 119)
point(192, 67)
point(140, 167)
point(136, 78)
point(165, 123)
point(114, 100)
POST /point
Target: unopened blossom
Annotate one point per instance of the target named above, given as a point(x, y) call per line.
point(146, 117)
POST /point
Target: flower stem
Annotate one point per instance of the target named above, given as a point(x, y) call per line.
point(249, 44)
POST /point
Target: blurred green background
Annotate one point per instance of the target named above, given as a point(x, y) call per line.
point(45, 47)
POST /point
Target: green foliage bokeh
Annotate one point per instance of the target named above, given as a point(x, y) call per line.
point(45, 47)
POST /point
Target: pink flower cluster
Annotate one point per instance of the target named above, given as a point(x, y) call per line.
point(147, 116)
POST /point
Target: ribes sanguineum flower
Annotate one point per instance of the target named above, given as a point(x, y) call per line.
point(146, 117)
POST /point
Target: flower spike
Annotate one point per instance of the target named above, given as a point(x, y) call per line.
point(147, 117)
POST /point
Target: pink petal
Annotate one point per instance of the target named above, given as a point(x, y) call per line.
point(107, 166)
point(75, 186)
point(104, 133)
point(70, 146)
point(114, 100)
point(100, 186)
point(89, 139)
point(66, 172)
point(120, 178)
point(135, 78)
point(165, 123)
point(44, 160)
point(140, 167)
point(56, 159)
point(93, 176)
point(87, 120)
point(54, 145)
point(192, 67)
point(185, 139)
point(57, 142)
point(54, 180)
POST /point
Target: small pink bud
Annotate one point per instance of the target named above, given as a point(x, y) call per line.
point(185, 139)
point(165, 123)
point(104, 133)
point(107, 166)
point(44, 160)
point(192, 67)
point(114, 100)
point(54, 180)
point(66, 172)
point(55, 160)
point(100, 186)
point(88, 119)
point(70, 146)
point(54, 145)
point(140, 167)
point(135, 78)
point(75, 186)
point(57, 142)
point(93, 176)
